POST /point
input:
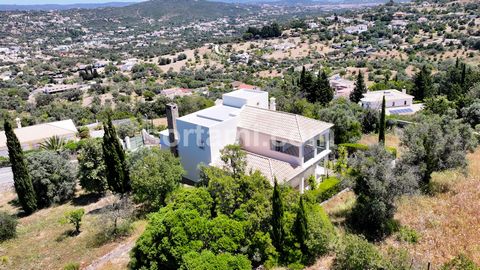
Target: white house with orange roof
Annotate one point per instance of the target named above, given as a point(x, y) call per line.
point(280, 145)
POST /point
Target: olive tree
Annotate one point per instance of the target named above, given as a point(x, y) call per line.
point(154, 174)
point(53, 177)
point(436, 143)
point(91, 167)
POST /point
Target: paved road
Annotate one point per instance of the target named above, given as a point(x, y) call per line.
point(6, 178)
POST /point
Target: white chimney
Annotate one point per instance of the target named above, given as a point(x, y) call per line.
point(273, 105)
point(19, 122)
point(404, 90)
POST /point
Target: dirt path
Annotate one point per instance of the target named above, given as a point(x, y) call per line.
point(120, 253)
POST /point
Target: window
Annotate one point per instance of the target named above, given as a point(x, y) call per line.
point(393, 104)
point(284, 147)
point(321, 143)
point(201, 144)
point(405, 102)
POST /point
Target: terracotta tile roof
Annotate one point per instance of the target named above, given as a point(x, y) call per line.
point(288, 126)
point(272, 168)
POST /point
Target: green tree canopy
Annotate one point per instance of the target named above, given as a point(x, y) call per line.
point(154, 174)
point(92, 172)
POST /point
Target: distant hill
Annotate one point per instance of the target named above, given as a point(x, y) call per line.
point(191, 9)
point(174, 11)
point(63, 7)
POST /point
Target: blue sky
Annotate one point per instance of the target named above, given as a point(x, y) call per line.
point(39, 2)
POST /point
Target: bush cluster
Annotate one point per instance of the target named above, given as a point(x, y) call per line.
point(8, 226)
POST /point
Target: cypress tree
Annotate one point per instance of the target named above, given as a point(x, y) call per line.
point(301, 81)
point(325, 94)
point(359, 90)
point(381, 132)
point(118, 178)
point(21, 177)
point(277, 232)
point(300, 226)
point(423, 84)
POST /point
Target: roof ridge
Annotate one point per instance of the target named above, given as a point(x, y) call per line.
point(271, 167)
point(283, 112)
point(60, 127)
point(298, 127)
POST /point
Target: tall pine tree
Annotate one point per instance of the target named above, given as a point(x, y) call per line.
point(21, 177)
point(118, 178)
point(359, 90)
point(423, 85)
point(325, 92)
point(300, 227)
point(382, 126)
point(277, 233)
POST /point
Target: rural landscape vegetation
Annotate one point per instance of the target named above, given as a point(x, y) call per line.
point(400, 189)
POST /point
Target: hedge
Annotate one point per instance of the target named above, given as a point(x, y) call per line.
point(325, 190)
point(354, 147)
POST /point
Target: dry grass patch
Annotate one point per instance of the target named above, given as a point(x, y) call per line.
point(391, 139)
point(448, 223)
point(44, 243)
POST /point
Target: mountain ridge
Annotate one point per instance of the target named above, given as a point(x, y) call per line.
point(46, 7)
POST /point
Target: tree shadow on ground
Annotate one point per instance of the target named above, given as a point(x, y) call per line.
point(86, 199)
point(66, 234)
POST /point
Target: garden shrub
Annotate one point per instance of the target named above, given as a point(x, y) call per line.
point(460, 262)
point(8, 226)
point(356, 253)
point(408, 235)
point(325, 190)
point(354, 147)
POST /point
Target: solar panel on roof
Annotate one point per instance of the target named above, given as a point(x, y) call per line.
point(401, 111)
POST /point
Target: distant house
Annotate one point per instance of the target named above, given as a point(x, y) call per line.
point(356, 29)
point(60, 88)
point(240, 85)
point(176, 92)
point(32, 136)
point(341, 86)
point(282, 146)
point(396, 102)
point(397, 24)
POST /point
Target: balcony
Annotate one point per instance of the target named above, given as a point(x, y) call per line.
point(315, 146)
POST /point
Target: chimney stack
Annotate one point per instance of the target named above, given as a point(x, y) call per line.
point(273, 104)
point(172, 115)
point(19, 122)
point(404, 90)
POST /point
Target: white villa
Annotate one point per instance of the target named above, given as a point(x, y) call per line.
point(396, 102)
point(280, 145)
point(32, 136)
